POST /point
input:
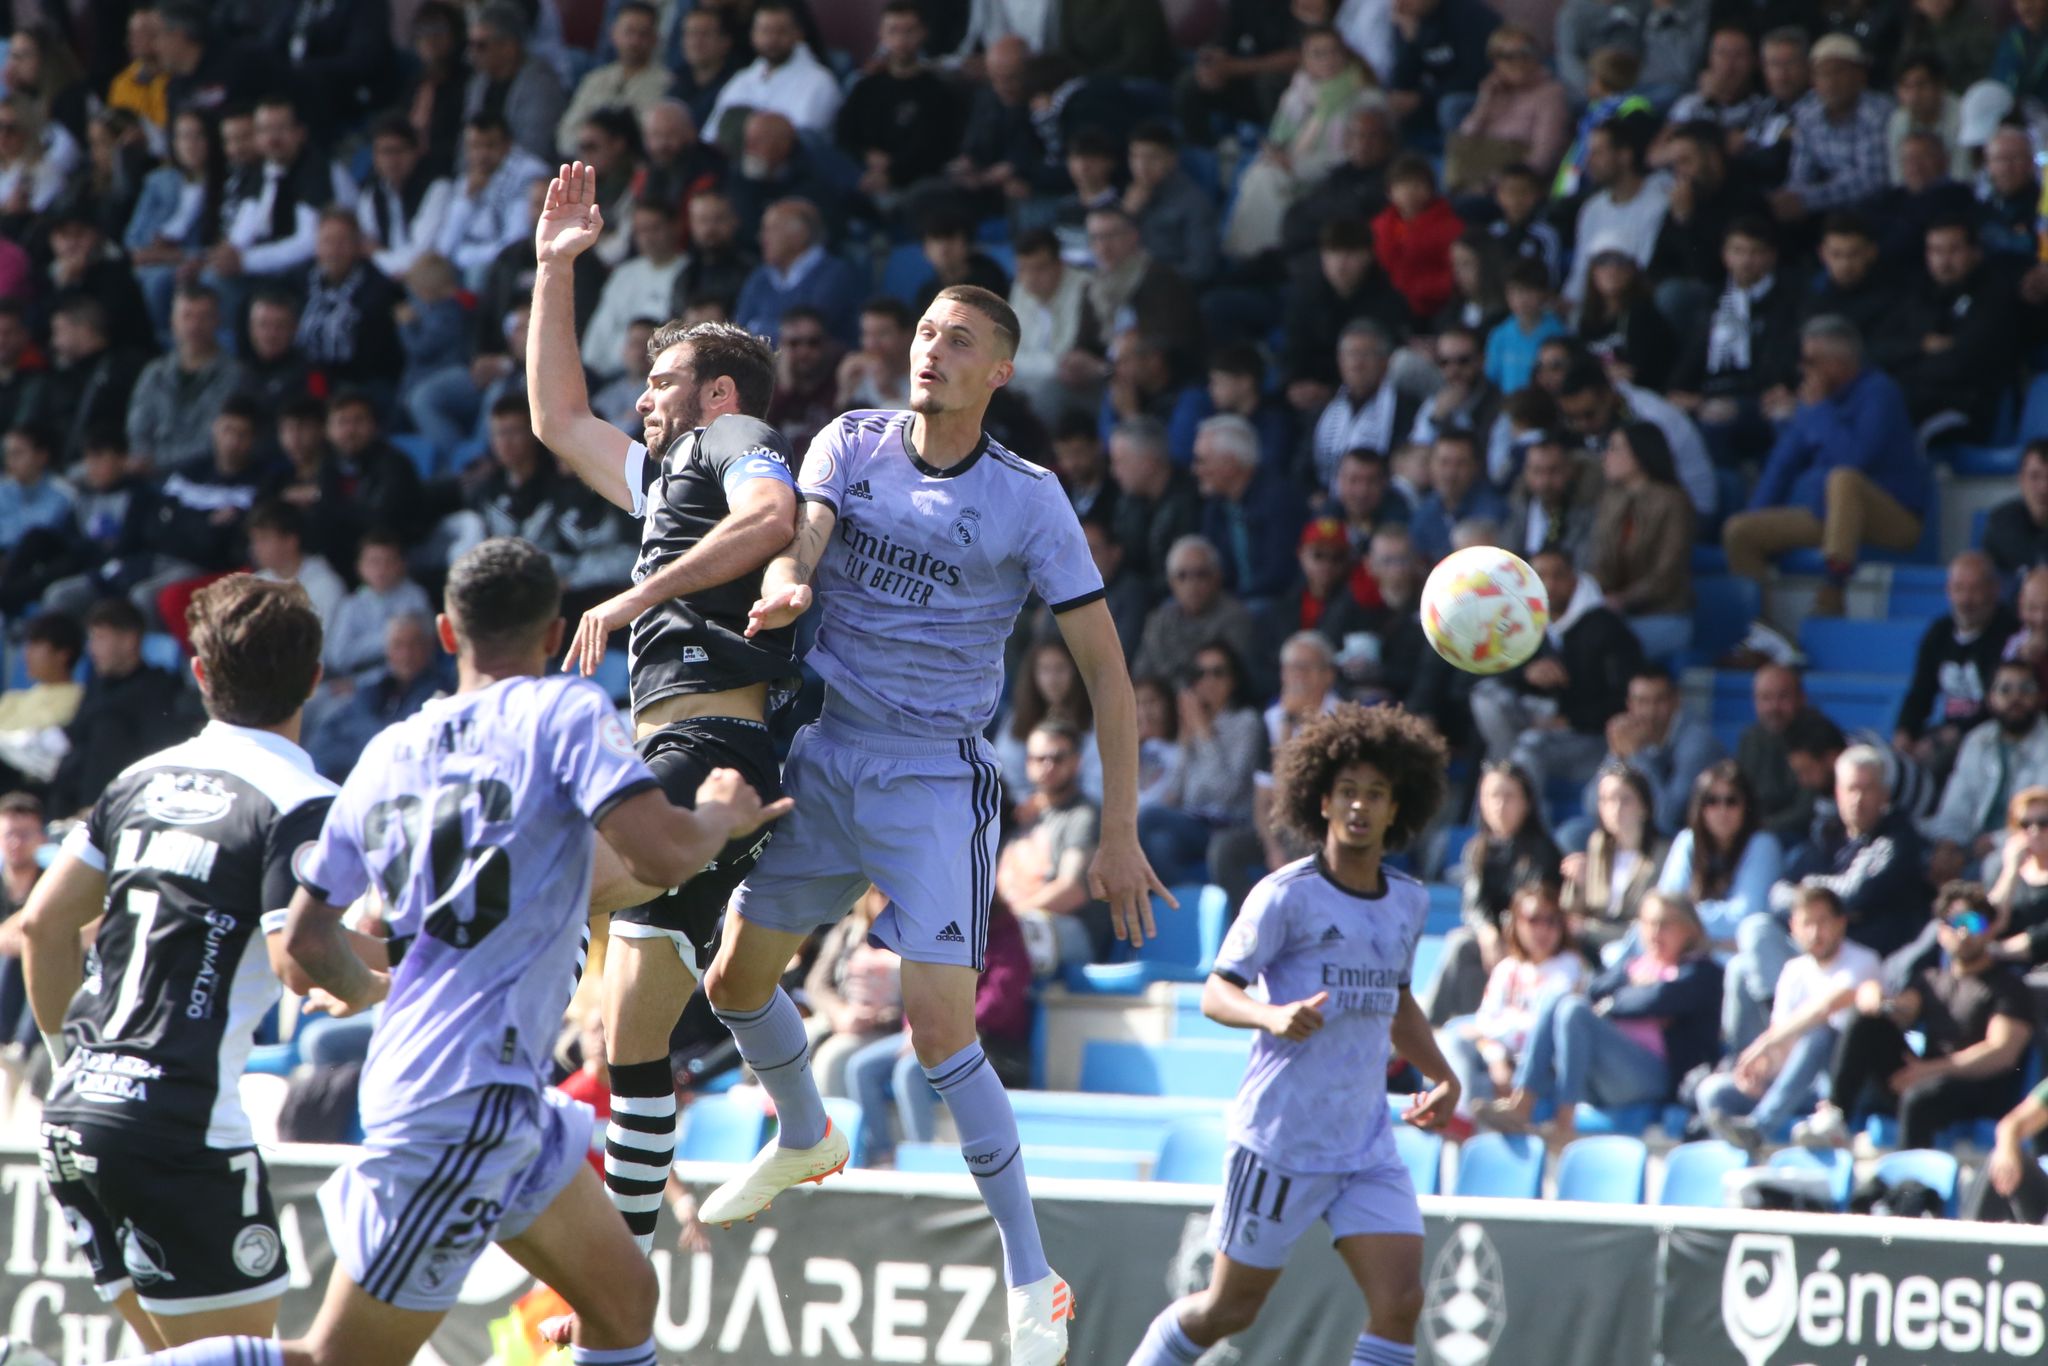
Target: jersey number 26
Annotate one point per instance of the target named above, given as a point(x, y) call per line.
point(456, 866)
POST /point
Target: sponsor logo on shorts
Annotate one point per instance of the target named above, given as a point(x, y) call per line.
point(696, 654)
point(951, 934)
point(143, 1256)
point(187, 798)
point(434, 1271)
point(257, 1251)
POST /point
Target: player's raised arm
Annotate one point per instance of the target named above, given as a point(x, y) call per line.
point(569, 225)
point(786, 582)
point(664, 845)
point(1120, 874)
point(65, 900)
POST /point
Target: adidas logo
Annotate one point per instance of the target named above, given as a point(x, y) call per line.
point(1332, 935)
point(860, 490)
point(951, 934)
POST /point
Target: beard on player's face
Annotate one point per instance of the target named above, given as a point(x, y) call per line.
point(685, 413)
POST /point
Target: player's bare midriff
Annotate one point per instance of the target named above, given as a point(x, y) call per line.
point(748, 704)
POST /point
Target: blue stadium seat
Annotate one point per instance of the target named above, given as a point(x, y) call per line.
point(1995, 461)
point(1630, 1121)
point(932, 1159)
point(1083, 1165)
point(1183, 1067)
point(1723, 608)
point(420, 451)
point(273, 1059)
point(846, 1117)
point(1202, 167)
point(1709, 559)
point(615, 676)
point(1693, 1172)
point(1851, 646)
point(1835, 1163)
point(906, 271)
point(1446, 907)
point(1105, 979)
point(1978, 520)
point(1193, 1152)
point(1856, 701)
point(1429, 954)
point(1138, 1124)
point(1938, 1171)
point(1564, 800)
point(1188, 1020)
point(164, 652)
point(1188, 939)
point(1003, 254)
point(1506, 1166)
point(1919, 593)
point(719, 1129)
point(2034, 410)
point(1606, 1169)
point(1422, 1153)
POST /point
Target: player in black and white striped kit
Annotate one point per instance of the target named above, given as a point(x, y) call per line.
point(188, 856)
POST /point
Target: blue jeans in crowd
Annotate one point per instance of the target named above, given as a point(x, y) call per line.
point(1749, 981)
point(884, 1071)
point(1576, 1055)
point(1176, 844)
point(1791, 1095)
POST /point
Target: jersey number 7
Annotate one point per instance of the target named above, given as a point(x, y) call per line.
point(455, 865)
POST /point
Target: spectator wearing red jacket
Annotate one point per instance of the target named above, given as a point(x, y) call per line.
point(1413, 236)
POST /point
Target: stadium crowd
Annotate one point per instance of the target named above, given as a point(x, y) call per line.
point(1312, 293)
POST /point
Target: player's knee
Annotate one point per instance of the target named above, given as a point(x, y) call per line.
point(936, 1033)
point(1396, 1309)
point(631, 1296)
point(729, 986)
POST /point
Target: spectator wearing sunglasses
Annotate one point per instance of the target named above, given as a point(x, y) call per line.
point(1976, 1017)
point(2020, 895)
point(1726, 862)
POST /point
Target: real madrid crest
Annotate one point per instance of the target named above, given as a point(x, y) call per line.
point(967, 527)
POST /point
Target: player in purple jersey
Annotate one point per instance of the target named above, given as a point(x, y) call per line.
point(473, 822)
point(1330, 942)
point(923, 538)
point(713, 488)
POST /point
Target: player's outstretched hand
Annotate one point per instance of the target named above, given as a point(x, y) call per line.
point(1432, 1109)
point(595, 629)
point(778, 609)
point(727, 789)
point(320, 1001)
point(570, 221)
point(1121, 876)
point(1297, 1020)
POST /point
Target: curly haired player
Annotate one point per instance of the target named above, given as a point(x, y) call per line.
point(1331, 938)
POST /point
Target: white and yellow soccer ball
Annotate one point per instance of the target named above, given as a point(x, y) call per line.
point(1484, 610)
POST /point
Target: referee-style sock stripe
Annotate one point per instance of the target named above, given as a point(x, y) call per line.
point(643, 1355)
point(631, 1173)
point(641, 1082)
point(645, 1130)
point(958, 1074)
point(742, 1017)
point(1377, 1351)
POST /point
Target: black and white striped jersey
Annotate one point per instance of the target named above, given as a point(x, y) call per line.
point(197, 843)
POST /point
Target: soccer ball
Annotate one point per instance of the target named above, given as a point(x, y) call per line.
point(1484, 610)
